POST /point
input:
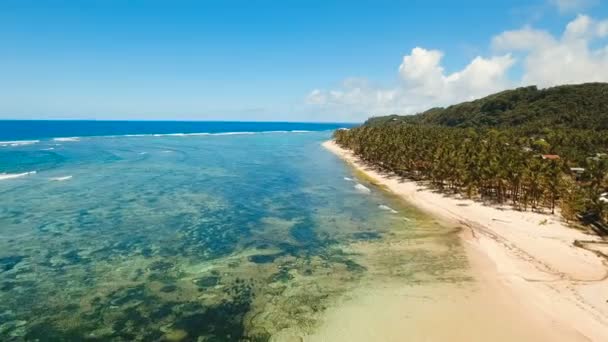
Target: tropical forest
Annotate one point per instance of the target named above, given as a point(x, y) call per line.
point(534, 149)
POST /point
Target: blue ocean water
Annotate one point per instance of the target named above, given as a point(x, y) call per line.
point(28, 129)
point(220, 237)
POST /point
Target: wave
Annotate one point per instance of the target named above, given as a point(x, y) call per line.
point(67, 139)
point(206, 134)
point(387, 208)
point(235, 133)
point(18, 143)
point(362, 188)
point(348, 179)
point(4, 176)
point(72, 139)
point(60, 179)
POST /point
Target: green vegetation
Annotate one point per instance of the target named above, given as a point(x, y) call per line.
point(535, 149)
point(583, 106)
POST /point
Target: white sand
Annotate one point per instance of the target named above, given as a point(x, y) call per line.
point(534, 284)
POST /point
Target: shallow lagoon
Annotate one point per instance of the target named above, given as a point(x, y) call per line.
point(227, 237)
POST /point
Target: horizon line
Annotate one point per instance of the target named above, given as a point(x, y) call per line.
point(188, 120)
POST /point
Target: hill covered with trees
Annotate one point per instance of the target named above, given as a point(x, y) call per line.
point(583, 106)
point(531, 148)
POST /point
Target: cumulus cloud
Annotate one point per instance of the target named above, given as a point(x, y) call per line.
point(423, 82)
point(579, 54)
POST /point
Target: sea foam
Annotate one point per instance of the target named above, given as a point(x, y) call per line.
point(387, 208)
point(18, 143)
point(60, 179)
point(362, 188)
point(234, 133)
point(67, 139)
point(206, 134)
point(4, 176)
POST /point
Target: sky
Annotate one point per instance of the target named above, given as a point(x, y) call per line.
point(258, 60)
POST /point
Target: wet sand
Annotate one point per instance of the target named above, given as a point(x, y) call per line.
point(531, 282)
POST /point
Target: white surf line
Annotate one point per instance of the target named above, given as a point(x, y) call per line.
point(18, 143)
point(205, 133)
point(60, 179)
point(362, 188)
point(4, 176)
point(67, 139)
point(387, 208)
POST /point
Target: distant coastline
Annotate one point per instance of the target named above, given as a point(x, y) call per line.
point(532, 255)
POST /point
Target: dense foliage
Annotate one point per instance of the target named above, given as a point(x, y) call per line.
point(517, 152)
point(583, 106)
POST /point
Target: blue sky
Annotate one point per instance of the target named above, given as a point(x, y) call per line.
point(246, 60)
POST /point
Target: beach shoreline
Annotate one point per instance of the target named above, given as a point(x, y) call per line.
point(527, 259)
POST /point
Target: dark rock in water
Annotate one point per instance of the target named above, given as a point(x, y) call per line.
point(160, 266)
point(303, 232)
point(353, 266)
point(168, 288)
point(264, 258)
point(131, 294)
point(367, 235)
point(221, 322)
point(72, 257)
point(8, 263)
point(163, 311)
point(147, 252)
point(282, 276)
point(207, 281)
point(7, 286)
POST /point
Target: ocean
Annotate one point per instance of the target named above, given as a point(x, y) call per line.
point(192, 231)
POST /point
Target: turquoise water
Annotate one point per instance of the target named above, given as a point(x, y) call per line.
point(204, 237)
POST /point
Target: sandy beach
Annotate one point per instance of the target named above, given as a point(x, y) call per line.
point(532, 282)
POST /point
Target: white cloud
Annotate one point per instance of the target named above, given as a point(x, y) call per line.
point(526, 38)
point(565, 6)
point(579, 55)
point(423, 83)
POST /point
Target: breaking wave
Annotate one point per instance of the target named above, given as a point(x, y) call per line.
point(18, 143)
point(73, 139)
point(207, 134)
point(67, 139)
point(4, 176)
point(362, 188)
point(387, 208)
point(60, 179)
